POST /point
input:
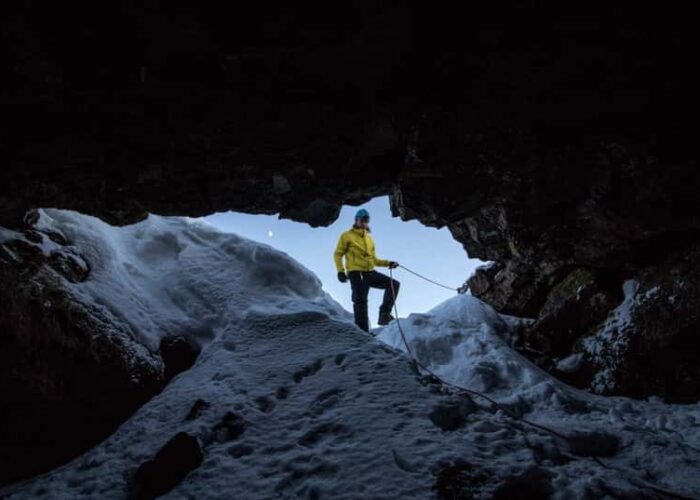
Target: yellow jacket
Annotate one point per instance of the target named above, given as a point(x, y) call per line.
point(358, 248)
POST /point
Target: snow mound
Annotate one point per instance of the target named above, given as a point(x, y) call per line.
point(466, 342)
point(180, 276)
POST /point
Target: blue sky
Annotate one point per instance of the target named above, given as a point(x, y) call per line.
point(428, 251)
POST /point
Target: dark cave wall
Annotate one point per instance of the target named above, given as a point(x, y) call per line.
point(552, 141)
point(69, 374)
point(121, 109)
point(71, 371)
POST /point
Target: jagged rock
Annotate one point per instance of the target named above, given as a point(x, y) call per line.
point(649, 344)
point(511, 288)
point(31, 249)
point(72, 267)
point(573, 308)
point(67, 377)
point(481, 281)
point(177, 458)
point(178, 355)
point(638, 344)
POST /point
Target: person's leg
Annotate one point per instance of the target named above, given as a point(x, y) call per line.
point(360, 289)
point(383, 282)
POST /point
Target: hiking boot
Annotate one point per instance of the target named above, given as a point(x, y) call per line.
point(385, 318)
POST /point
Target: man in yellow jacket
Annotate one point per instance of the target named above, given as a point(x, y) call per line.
point(357, 246)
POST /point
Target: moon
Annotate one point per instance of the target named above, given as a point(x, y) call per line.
point(270, 233)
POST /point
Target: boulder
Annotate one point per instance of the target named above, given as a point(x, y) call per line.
point(68, 376)
point(512, 288)
point(573, 307)
point(178, 354)
point(649, 344)
point(177, 458)
point(633, 338)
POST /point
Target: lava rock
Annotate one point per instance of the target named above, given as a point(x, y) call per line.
point(578, 302)
point(177, 458)
point(67, 379)
point(178, 355)
point(650, 348)
point(574, 307)
point(70, 266)
point(510, 288)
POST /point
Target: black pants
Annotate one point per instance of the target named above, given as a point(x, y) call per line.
point(361, 282)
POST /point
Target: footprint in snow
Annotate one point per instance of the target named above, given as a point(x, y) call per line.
point(265, 404)
point(282, 393)
point(321, 432)
point(307, 371)
point(324, 401)
point(404, 464)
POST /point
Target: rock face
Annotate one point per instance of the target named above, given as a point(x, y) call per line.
point(551, 142)
point(649, 345)
point(500, 125)
point(67, 379)
point(578, 304)
point(178, 355)
point(635, 339)
point(663, 346)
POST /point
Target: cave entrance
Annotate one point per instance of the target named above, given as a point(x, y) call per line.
point(430, 251)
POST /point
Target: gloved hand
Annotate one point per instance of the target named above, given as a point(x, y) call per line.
point(342, 277)
point(393, 264)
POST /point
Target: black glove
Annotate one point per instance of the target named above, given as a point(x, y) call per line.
point(393, 264)
point(342, 277)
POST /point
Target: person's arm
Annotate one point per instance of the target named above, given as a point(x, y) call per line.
point(377, 260)
point(383, 262)
point(340, 250)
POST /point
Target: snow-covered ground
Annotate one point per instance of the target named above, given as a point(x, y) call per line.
point(329, 411)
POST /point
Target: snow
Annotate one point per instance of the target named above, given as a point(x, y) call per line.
point(47, 246)
point(179, 276)
point(611, 342)
point(330, 411)
point(8, 235)
point(464, 328)
point(571, 363)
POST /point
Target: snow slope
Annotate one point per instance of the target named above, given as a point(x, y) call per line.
point(179, 276)
point(329, 411)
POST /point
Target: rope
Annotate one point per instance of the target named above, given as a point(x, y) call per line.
point(459, 388)
point(496, 404)
point(428, 279)
point(462, 289)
